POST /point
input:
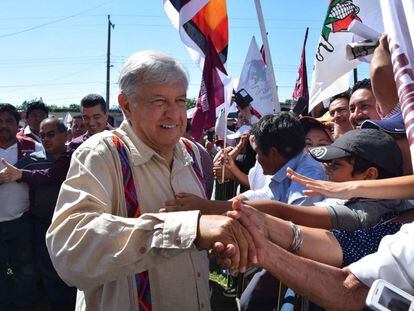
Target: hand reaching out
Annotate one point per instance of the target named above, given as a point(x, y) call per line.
point(328, 189)
point(185, 202)
point(255, 223)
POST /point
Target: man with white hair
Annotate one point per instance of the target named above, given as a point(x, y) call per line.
point(107, 237)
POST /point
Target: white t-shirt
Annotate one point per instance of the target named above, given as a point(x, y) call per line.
point(257, 179)
point(392, 262)
point(14, 196)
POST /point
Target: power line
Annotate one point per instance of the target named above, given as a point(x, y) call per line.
point(52, 22)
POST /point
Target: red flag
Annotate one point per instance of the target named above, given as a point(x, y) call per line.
point(301, 85)
point(211, 93)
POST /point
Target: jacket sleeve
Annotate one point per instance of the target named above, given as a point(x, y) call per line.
point(89, 246)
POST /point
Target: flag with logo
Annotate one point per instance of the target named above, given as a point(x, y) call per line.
point(398, 18)
point(331, 69)
point(301, 84)
point(196, 20)
point(212, 93)
point(255, 79)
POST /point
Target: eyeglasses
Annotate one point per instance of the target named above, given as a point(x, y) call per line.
point(50, 134)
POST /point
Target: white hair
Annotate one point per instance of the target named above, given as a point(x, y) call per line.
point(149, 67)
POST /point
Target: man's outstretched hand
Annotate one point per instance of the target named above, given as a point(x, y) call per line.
point(255, 223)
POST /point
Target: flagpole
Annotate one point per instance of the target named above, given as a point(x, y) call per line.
point(224, 148)
point(267, 53)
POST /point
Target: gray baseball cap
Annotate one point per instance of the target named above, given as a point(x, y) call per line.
point(372, 145)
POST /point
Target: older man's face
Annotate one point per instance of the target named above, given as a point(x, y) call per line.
point(362, 106)
point(159, 115)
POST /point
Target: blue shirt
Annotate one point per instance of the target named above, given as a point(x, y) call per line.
point(283, 189)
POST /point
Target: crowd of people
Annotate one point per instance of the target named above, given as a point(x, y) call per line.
point(125, 218)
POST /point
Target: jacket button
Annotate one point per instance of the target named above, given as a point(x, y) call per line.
point(199, 274)
point(142, 250)
point(177, 241)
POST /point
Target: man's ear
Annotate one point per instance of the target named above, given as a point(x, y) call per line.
point(274, 154)
point(124, 104)
point(371, 173)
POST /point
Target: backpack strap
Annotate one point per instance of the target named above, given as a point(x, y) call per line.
point(196, 166)
point(132, 206)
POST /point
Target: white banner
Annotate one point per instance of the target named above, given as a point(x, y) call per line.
point(399, 25)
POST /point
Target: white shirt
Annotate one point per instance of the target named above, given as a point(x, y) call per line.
point(392, 262)
point(257, 179)
point(14, 196)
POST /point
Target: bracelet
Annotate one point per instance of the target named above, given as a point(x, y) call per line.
point(297, 238)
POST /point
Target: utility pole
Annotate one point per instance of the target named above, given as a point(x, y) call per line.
point(108, 61)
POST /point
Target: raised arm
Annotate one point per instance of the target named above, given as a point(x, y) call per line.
point(390, 188)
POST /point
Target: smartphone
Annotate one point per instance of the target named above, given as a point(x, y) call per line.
point(384, 296)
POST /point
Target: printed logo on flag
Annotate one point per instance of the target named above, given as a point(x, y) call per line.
point(340, 15)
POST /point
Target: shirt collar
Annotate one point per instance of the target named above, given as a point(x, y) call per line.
point(292, 163)
point(141, 153)
point(27, 132)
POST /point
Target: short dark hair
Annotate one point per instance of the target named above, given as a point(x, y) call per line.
point(4, 107)
point(360, 165)
point(92, 100)
point(36, 105)
point(346, 95)
point(282, 131)
point(362, 84)
point(60, 126)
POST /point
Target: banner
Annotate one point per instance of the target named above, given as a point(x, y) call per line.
point(398, 18)
point(331, 69)
point(196, 20)
point(254, 78)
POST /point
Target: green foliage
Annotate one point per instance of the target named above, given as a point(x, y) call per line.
point(190, 103)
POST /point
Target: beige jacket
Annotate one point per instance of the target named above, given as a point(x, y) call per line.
point(94, 247)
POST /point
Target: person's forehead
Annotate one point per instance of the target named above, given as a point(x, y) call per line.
point(47, 127)
point(362, 95)
point(177, 87)
point(97, 109)
point(6, 115)
point(338, 103)
point(37, 111)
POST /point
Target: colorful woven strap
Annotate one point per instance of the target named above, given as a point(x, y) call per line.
point(132, 205)
point(195, 165)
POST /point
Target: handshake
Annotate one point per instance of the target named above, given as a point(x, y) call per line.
point(238, 239)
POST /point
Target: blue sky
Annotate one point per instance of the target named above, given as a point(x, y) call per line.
point(57, 49)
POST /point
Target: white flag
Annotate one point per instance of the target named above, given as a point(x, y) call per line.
point(398, 22)
point(255, 79)
point(68, 119)
point(331, 69)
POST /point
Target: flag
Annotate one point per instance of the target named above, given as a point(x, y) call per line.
point(331, 69)
point(397, 15)
point(68, 119)
point(212, 93)
point(197, 20)
point(301, 85)
point(255, 79)
point(263, 53)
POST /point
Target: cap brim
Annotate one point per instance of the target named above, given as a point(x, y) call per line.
point(328, 153)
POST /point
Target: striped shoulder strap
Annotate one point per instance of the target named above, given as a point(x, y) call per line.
point(196, 165)
point(132, 206)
